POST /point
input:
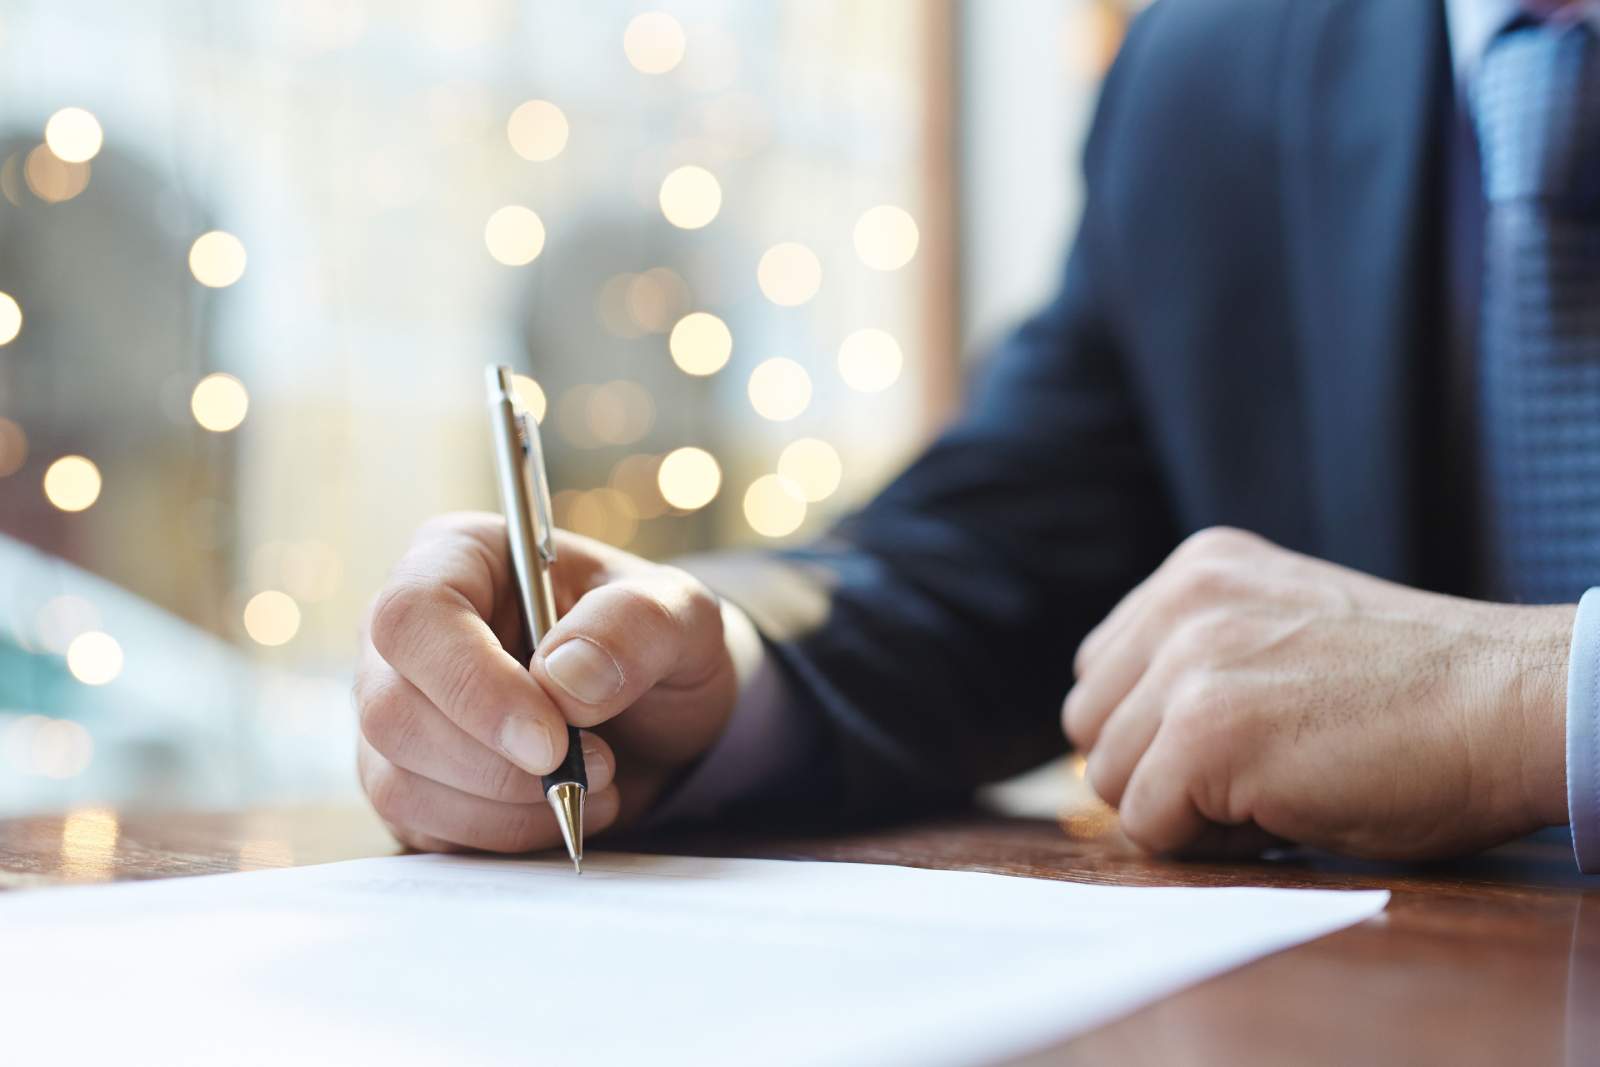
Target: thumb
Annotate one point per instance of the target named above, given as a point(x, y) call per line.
point(623, 638)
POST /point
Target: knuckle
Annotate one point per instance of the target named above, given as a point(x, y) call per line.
point(1206, 579)
point(1137, 825)
point(396, 611)
point(1209, 636)
point(388, 795)
point(1100, 780)
point(389, 721)
point(464, 691)
point(645, 603)
point(1202, 710)
point(1075, 718)
point(501, 779)
point(1217, 541)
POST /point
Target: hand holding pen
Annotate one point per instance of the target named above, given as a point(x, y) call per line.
point(456, 732)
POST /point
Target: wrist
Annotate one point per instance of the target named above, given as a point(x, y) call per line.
point(1537, 717)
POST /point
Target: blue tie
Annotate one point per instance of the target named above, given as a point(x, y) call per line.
point(1536, 102)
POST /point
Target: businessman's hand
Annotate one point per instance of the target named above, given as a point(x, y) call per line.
point(1245, 685)
point(455, 731)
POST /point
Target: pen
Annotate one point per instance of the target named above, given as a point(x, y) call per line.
point(525, 498)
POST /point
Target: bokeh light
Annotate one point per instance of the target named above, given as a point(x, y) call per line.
point(537, 130)
point(689, 478)
point(10, 318)
point(636, 477)
point(60, 748)
point(603, 514)
point(780, 389)
point(531, 395)
point(789, 274)
point(654, 300)
point(272, 618)
point(217, 259)
point(62, 618)
point(219, 402)
point(72, 483)
point(886, 237)
point(611, 307)
point(619, 413)
point(514, 235)
point(700, 344)
point(812, 466)
point(690, 197)
point(53, 179)
point(572, 416)
point(773, 506)
point(870, 360)
point(13, 447)
point(73, 134)
point(309, 570)
point(94, 657)
point(653, 42)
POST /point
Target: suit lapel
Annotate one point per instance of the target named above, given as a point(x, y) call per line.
point(1367, 88)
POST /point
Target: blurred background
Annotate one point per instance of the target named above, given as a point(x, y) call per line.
point(253, 258)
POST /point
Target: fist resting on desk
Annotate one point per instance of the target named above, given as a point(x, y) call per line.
point(455, 730)
point(1244, 685)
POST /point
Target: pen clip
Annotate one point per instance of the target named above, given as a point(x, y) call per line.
point(533, 473)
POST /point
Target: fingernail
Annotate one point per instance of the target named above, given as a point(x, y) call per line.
point(584, 670)
point(592, 760)
point(526, 742)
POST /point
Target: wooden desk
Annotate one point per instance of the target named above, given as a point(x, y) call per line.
point(1496, 960)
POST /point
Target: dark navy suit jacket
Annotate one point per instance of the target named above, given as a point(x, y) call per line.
point(1247, 334)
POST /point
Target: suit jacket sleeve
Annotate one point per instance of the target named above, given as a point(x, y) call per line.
point(926, 642)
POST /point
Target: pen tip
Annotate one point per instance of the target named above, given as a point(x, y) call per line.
point(577, 864)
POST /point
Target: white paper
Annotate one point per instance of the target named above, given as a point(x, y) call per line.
point(643, 959)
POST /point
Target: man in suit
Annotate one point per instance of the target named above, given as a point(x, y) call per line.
point(1337, 284)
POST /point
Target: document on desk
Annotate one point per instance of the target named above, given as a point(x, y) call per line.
point(641, 960)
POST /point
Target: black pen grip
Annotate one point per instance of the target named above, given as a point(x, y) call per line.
point(571, 768)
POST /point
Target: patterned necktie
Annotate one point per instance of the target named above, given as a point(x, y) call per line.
point(1536, 103)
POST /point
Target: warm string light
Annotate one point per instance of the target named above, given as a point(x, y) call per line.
point(51, 178)
point(886, 237)
point(813, 467)
point(72, 483)
point(870, 360)
point(690, 197)
point(774, 506)
point(309, 571)
point(219, 402)
point(636, 477)
point(653, 42)
point(272, 618)
point(531, 396)
point(13, 447)
point(654, 300)
point(689, 478)
point(514, 235)
point(700, 344)
point(94, 658)
point(217, 259)
point(73, 135)
point(780, 389)
point(10, 318)
point(789, 274)
point(537, 130)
